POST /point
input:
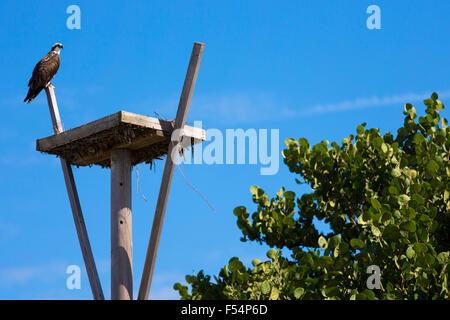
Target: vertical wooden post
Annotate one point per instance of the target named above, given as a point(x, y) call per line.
point(183, 108)
point(121, 231)
point(75, 203)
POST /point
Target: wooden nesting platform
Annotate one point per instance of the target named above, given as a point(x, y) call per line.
point(91, 144)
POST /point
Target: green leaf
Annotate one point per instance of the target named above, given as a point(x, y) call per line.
point(410, 253)
point(418, 199)
point(408, 226)
point(265, 287)
point(309, 259)
point(419, 139)
point(425, 219)
point(336, 251)
point(274, 294)
point(360, 129)
point(357, 243)
point(332, 291)
point(432, 167)
point(254, 190)
point(272, 253)
point(289, 195)
point(289, 141)
point(334, 241)
point(325, 261)
point(375, 203)
point(384, 148)
point(255, 262)
point(344, 246)
point(364, 218)
point(429, 259)
point(239, 211)
point(335, 146)
point(235, 264)
point(420, 247)
point(298, 292)
point(411, 213)
point(403, 199)
point(226, 272)
point(442, 257)
point(393, 190)
point(361, 296)
point(304, 143)
point(439, 105)
point(323, 244)
point(391, 232)
point(396, 172)
point(375, 231)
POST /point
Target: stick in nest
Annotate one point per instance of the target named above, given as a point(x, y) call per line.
point(187, 182)
point(138, 185)
point(159, 116)
point(179, 168)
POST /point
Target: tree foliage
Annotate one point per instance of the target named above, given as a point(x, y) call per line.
point(387, 202)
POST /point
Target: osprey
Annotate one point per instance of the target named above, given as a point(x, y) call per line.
point(43, 72)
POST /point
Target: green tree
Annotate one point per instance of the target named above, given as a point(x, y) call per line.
point(386, 201)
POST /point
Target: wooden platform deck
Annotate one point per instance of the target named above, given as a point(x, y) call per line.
point(91, 144)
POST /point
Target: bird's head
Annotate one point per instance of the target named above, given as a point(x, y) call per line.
point(57, 46)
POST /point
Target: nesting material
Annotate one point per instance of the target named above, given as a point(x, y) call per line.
point(91, 144)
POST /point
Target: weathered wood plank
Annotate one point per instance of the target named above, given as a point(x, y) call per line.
point(109, 122)
point(75, 203)
point(183, 108)
point(163, 125)
point(83, 131)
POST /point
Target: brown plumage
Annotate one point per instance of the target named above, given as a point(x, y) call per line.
point(43, 72)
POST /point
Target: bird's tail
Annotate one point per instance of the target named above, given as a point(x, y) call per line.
point(30, 96)
point(29, 100)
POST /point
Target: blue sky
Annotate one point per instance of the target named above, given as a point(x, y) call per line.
point(308, 68)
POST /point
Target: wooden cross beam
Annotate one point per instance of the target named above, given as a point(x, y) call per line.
point(183, 108)
point(75, 202)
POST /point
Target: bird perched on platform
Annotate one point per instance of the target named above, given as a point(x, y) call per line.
point(43, 72)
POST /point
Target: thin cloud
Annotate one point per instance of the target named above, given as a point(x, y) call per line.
point(236, 108)
point(362, 103)
point(249, 108)
point(24, 274)
point(230, 108)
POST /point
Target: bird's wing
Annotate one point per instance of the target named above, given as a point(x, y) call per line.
point(44, 70)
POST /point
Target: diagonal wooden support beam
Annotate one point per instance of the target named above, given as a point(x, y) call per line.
point(183, 108)
point(75, 202)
